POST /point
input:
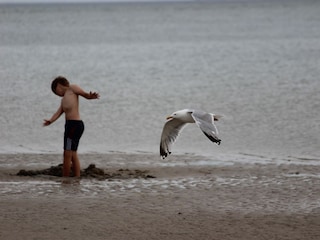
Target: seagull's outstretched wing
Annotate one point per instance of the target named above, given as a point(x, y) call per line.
point(170, 132)
point(206, 123)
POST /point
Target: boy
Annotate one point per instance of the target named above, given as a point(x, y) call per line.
point(74, 126)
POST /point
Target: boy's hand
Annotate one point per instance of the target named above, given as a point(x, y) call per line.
point(46, 122)
point(93, 95)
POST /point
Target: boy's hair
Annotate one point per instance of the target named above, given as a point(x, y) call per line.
point(59, 80)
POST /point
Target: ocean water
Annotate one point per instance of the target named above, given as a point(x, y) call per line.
point(255, 62)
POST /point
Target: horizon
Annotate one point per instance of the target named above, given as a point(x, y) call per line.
point(120, 1)
point(85, 1)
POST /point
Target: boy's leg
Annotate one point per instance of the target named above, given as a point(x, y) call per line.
point(67, 158)
point(75, 164)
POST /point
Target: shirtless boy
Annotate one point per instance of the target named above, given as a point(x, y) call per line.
point(74, 126)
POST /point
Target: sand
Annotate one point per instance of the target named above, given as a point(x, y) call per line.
point(268, 200)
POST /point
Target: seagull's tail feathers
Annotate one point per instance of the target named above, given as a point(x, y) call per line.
point(217, 117)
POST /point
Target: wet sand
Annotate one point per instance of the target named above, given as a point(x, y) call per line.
point(184, 200)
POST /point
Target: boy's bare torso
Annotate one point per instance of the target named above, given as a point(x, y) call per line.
point(70, 104)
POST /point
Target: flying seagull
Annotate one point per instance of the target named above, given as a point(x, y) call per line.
point(178, 120)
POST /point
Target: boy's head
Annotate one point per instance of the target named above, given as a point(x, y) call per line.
point(58, 83)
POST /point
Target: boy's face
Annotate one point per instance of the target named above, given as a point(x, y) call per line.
point(60, 90)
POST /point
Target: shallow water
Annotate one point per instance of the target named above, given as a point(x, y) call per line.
point(94, 189)
point(255, 62)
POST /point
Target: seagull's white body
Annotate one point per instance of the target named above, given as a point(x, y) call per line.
point(178, 120)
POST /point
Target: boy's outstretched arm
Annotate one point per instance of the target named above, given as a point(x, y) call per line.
point(54, 117)
point(88, 95)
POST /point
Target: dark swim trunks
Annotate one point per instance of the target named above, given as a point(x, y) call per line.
point(72, 134)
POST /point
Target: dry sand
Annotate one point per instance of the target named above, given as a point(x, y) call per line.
point(184, 201)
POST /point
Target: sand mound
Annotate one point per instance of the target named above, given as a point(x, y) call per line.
point(90, 172)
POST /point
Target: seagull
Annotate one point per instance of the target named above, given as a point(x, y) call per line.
point(178, 120)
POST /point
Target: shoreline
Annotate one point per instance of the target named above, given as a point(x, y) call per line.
point(183, 201)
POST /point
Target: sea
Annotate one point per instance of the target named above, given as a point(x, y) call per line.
point(255, 62)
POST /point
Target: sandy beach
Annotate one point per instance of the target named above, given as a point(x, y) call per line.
point(182, 201)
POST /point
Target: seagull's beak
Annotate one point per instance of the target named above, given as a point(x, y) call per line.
point(169, 117)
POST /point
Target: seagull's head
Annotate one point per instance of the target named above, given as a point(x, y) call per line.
point(181, 114)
